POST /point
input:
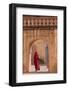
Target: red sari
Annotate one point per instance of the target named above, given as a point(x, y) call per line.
point(36, 61)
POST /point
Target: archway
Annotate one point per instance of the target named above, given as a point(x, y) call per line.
point(41, 46)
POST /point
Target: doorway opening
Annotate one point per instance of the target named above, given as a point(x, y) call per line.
point(41, 48)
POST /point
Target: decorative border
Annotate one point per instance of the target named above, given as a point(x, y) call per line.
point(40, 23)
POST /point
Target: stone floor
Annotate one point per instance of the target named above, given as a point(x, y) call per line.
point(42, 69)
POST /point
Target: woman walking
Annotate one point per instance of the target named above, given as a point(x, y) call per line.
point(36, 61)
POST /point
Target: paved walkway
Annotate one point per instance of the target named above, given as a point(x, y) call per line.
point(42, 69)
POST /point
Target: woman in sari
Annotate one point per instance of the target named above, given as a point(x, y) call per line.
point(36, 61)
